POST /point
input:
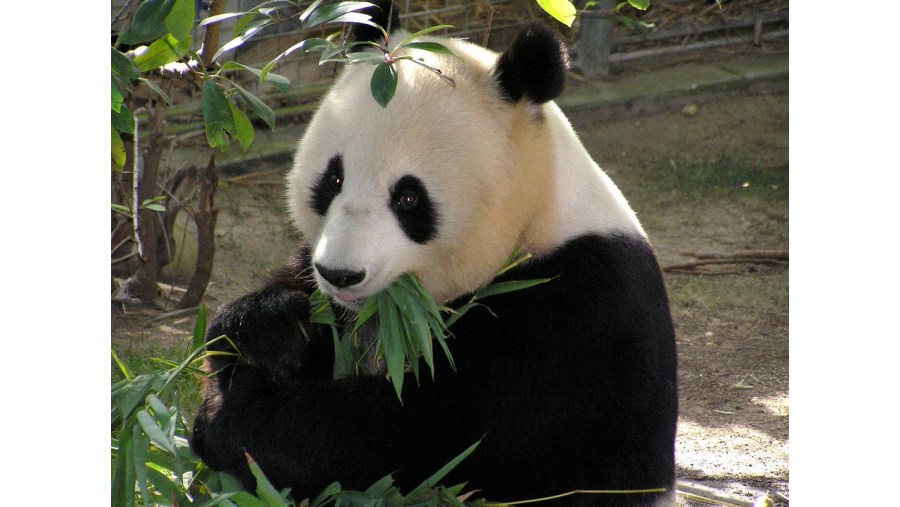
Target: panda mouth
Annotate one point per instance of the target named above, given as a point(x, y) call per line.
point(349, 299)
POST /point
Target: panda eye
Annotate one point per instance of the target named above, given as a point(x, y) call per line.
point(328, 186)
point(407, 201)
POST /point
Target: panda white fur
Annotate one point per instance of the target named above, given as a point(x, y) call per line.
point(570, 385)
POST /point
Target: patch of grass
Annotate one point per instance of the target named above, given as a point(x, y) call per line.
point(725, 177)
point(743, 299)
point(145, 355)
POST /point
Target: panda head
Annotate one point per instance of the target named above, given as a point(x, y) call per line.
point(445, 182)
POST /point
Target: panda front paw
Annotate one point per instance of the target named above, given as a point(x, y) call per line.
point(269, 329)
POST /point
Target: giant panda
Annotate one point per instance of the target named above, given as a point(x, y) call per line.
point(569, 385)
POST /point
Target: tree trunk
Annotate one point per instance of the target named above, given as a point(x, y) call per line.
point(144, 282)
point(205, 219)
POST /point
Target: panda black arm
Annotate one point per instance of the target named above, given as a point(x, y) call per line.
point(270, 330)
point(304, 434)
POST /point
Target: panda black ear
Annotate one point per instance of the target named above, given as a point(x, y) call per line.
point(385, 14)
point(534, 67)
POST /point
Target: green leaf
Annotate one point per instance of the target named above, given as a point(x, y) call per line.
point(123, 472)
point(365, 56)
point(222, 17)
point(392, 342)
point(433, 47)
point(155, 207)
point(243, 129)
point(116, 97)
point(264, 488)
point(508, 286)
point(304, 46)
point(420, 33)
point(124, 66)
point(152, 430)
point(326, 494)
point(122, 366)
point(334, 12)
point(357, 18)
point(118, 151)
point(148, 23)
point(256, 105)
point(164, 50)
point(634, 24)
point(123, 120)
point(562, 10)
point(640, 4)
point(180, 20)
point(138, 447)
point(309, 10)
point(369, 308)
point(384, 83)
point(217, 116)
point(282, 83)
point(320, 309)
point(153, 86)
point(199, 329)
point(380, 487)
point(243, 22)
point(252, 29)
point(430, 482)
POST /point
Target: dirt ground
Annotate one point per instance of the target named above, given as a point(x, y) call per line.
point(731, 321)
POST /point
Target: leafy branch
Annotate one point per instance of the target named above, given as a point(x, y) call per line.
point(397, 326)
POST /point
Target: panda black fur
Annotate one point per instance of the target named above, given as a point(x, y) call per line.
point(570, 385)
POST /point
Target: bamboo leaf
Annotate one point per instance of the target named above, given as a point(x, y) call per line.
point(199, 329)
point(264, 488)
point(326, 494)
point(369, 307)
point(138, 447)
point(259, 108)
point(134, 394)
point(153, 431)
point(384, 83)
point(379, 488)
point(430, 482)
point(392, 343)
point(508, 286)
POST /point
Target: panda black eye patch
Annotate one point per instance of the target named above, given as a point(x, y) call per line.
point(328, 186)
point(414, 210)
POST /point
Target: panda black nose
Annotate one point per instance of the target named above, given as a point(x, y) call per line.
point(340, 278)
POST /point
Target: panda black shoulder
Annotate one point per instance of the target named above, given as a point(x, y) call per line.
point(534, 67)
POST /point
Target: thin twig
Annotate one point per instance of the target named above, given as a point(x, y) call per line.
point(694, 264)
point(489, 23)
